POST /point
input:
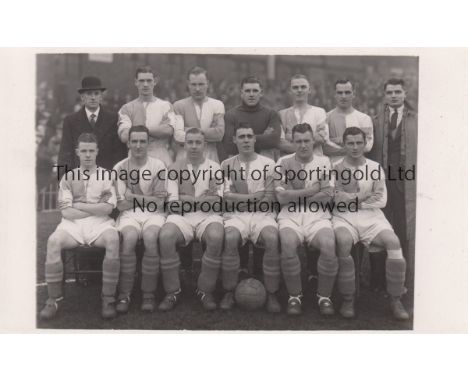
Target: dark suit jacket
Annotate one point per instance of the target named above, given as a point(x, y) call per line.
point(111, 149)
point(379, 153)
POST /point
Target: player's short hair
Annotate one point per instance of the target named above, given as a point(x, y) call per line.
point(196, 70)
point(302, 128)
point(251, 80)
point(86, 138)
point(138, 129)
point(299, 76)
point(353, 130)
point(344, 81)
point(194, 130)
point(394, 81)
point(241, 125)
point(145, 69)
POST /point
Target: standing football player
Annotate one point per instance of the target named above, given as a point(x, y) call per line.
point(202, 112)
point(302, 112)
point(85, 201)
point(135, 221)
point(297, 224)
point(154, 113)
point(242, 225)
point(181, 229)
point(342, 117)
point(367, 225)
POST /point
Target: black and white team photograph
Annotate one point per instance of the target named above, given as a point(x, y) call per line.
point(225, 191)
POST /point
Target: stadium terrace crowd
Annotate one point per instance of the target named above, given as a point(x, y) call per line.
point(258, 133)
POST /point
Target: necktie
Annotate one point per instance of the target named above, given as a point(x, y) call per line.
point(92, 120)
point(394, 120)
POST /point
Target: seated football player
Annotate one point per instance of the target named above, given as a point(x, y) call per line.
point(249, 183)
point(195, 220)
point(367, 225)
point(298, 224)
point(85, 201)
point(141, 192)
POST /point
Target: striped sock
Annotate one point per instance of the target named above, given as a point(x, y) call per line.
point(230, 267)
point(327, 267)
point(209, 272)
point(271, 271)
point(170, 273)
point(110, 276)
point(346, 276)
point(291, 268)
point(54, 279)
point(149, 274)
point(395, 274)
point(127, 274)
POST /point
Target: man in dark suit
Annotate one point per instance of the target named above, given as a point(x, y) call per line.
point(395, 148)
point(92, 118)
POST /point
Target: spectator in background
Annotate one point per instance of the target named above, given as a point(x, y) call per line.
point(91, 118)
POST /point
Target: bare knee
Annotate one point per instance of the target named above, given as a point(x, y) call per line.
point(231, 238)
point(270, 239)
point(54, 243)
point(288, 244)
point(344, 243)
point(150, 238)
point(392, 242)
point(167, 238)
point(129, 241)
point(111, 241)
point(214, 237)
point(327, 244)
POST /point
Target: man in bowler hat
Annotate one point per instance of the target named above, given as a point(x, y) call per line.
point(91, 118)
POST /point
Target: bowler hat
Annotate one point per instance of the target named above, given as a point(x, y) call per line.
point(91, 83)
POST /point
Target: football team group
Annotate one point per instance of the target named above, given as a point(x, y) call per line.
point(196, 134)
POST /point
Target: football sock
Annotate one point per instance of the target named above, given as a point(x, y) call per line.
point(377, 269)
point(149, 273)
point(395, 272)
point(291, 268)
point(271, 271)
point(170, 273)
point(127, 274)
point(110, 276)
point(327, 267)
point(209, 272)
point(54, 278)
point(346, 275)
point(230, 267)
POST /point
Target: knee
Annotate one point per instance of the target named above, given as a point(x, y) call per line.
point(167, 237)
point(129, 242)
point(327, 245)
point(288, 248)
point(150, 239)
point(111, 240)
point(53, 243)
point(344, 243)
point(231, 239)
point(270, 239)
point(392, 242)
point(214, 239)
